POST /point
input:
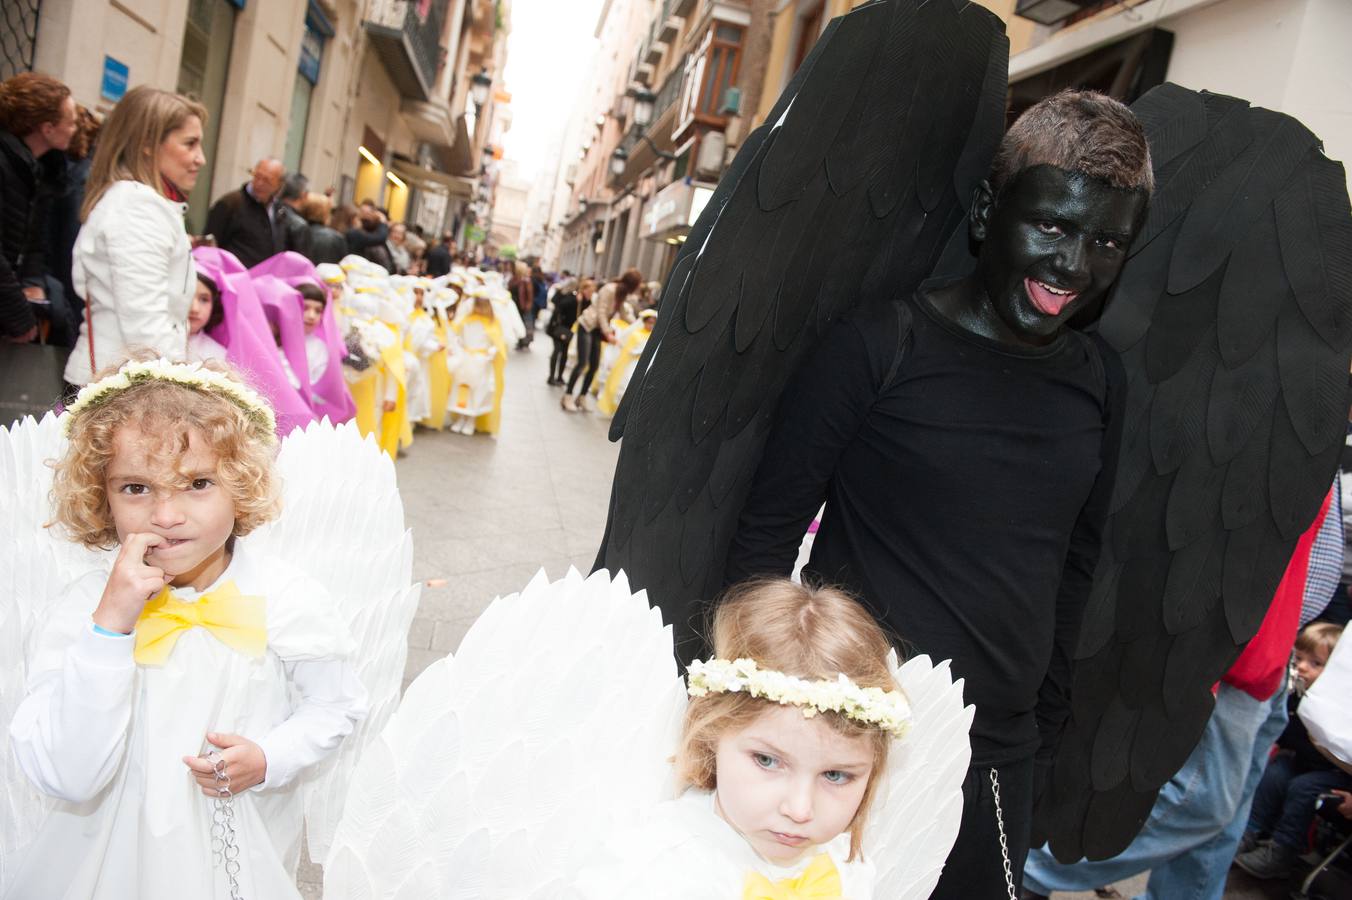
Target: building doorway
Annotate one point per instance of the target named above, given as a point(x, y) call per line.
point(202, 69)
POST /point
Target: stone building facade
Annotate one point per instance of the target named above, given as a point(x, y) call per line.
point(368, 98)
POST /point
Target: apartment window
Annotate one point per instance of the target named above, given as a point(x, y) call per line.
point(709, 72)
point(724, 58)
point(317, 30)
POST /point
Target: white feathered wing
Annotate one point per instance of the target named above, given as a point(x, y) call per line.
point(506, 762)
point(509, 763)
point(342, 523)
point(36, 562)
point(915, 815)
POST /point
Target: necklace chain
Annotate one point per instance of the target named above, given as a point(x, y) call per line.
point(224, 847)
point(1004, 843)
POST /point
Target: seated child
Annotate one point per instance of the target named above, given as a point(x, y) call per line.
point(313, 301)
point(195, 681)
point(1284, 804)
point(205, 314)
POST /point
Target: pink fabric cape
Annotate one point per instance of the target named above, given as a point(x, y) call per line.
point(275, 281)
point(247, 338)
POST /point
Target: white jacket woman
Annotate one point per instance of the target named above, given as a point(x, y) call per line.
point(133, 265)
point(132, 261)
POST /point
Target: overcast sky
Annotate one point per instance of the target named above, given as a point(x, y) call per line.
point(548, 55)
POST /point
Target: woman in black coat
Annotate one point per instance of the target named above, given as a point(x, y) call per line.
point(561, 323)
point(325, 244)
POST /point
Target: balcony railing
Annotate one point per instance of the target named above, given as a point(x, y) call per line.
point(669, 92)
point(407, 35)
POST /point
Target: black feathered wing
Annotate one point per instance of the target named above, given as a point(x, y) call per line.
point(847, 195)
point(1233, 318)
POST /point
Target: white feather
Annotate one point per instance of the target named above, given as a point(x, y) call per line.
point(36, 562)
point(343, 524)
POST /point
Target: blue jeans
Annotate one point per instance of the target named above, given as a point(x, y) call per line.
point(1195, 825)
point(1283, 807)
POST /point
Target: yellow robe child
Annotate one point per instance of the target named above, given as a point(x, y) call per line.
point(632, 343)
point(438, 375)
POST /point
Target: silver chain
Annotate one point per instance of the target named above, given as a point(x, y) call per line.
point(224, 848)
point(1004, 843)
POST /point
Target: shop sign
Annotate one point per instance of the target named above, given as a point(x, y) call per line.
point(115, 75)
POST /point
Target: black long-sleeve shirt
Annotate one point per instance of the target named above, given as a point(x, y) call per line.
point(966, 484)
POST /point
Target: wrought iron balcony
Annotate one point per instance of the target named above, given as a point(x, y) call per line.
point(407, 37)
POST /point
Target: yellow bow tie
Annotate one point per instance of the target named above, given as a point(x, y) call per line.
point(819, 881)
point(238, 621)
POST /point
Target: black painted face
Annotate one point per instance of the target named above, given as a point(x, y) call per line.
point(1052, 244)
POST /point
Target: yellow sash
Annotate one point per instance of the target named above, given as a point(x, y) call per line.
point(819, 881)
point(236, 620)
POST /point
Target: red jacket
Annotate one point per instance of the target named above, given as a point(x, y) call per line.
point(1258, 671)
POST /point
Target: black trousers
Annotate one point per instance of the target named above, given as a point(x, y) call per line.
point(589, 354)
point(559, 360)
point(975, 868)
point(528, 319)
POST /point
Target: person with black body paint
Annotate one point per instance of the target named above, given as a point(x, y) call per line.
point(964, 441)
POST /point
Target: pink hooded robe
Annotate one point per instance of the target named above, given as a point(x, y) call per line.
point(247, 338)
point(275, 281)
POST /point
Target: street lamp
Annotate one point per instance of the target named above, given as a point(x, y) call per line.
point(618, 161)
point(582, 206)
point(642, 116)
point(479, 86)
point(644, 101)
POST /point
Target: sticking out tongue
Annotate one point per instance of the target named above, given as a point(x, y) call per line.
point(1046, 301)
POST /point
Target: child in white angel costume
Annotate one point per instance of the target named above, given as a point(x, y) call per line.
point(555, 756)
point(182, 697)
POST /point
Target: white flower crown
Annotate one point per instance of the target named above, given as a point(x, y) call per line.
point(887, 710)
point(191, 375)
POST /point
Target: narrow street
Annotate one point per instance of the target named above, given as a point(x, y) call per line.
point(487, 513)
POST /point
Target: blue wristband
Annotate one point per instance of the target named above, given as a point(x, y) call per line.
point(99, 629)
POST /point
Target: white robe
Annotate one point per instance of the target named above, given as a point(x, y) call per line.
point(107, 737)
point(422, 339)
point(473, 380)
point(202, 347)
point(316, 357)
point(683, 850)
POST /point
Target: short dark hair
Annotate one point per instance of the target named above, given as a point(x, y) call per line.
point(313, 292)
point(294, 186)
point(1079, 131)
